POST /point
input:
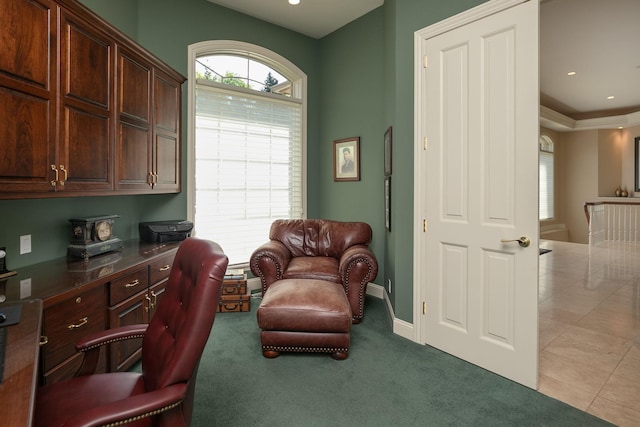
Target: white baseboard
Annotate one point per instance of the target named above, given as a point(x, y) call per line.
point(400, 327)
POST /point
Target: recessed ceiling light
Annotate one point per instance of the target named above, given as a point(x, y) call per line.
point(571, 73)
point(294, 1)
point(610, 97)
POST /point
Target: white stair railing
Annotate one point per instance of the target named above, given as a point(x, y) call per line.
point(613, 222)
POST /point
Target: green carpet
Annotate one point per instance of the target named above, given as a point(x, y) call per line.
point(386, 381)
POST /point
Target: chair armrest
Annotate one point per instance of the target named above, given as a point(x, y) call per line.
point(91, 344)
point(269, 262)
point(130, 409)
point(357, 267)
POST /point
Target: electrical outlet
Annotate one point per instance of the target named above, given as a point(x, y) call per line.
point(25, 244)
point(389, 285)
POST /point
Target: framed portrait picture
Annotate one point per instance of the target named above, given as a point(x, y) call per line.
point(387, 202)
point(346, 159)
point(388, 145)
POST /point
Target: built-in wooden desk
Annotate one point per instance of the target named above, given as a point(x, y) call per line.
point(18, 387)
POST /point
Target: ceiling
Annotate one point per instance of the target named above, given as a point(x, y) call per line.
point(314, 18)
point(590, 37)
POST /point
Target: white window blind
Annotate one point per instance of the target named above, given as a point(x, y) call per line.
point(248, 166)
point(546, 178)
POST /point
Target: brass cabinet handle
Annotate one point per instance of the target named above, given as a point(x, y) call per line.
point(165, 268)
point(155, 299)
point(44, 340)
point(66, 174)
point(55, 180)
point(82, 322)
point(132, 284)
point(148, 306)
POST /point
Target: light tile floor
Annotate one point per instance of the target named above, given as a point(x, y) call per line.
point(589, 328)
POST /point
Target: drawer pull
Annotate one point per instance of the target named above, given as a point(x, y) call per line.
point(155, 299)
point(165, 268)
point(44, 340)
point(132, 284)
point(82, 322)
point(148, 306)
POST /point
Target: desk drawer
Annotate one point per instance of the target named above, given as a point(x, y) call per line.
point(70, 320)
point(127, 286)
point(159, 269)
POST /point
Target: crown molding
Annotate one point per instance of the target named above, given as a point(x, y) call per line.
point(559, 122)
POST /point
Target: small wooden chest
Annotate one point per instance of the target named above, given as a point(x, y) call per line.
point(239, 288)
point(234, 296)
point(234, 303)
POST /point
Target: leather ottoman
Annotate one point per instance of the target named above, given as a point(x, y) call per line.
point(305, 315)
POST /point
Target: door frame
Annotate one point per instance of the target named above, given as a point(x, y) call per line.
point(419, 248)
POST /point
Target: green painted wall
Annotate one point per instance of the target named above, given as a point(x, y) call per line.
point(123, 14)
point(410, 16)
point(352, 105)
point(367, 70)
point(360, 82)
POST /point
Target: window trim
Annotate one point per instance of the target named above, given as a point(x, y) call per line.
point(279, 63)
point(548, 141)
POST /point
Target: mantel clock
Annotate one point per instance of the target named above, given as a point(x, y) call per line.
point(93, 236)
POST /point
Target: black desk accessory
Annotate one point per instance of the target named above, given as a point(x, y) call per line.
point(3, 264)
point(3, 344)
point(9, 315)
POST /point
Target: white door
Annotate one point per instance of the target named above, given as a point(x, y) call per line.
point(479, 186)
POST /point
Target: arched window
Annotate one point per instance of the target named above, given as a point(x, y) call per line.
point(546, 178)
point(246, 144)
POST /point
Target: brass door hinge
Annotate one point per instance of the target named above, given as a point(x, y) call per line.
point(424, 307)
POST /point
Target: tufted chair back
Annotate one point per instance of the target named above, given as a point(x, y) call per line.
point(319, 237)
point(180, 327)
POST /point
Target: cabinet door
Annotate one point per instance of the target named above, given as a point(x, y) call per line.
point(158, 276)
point(28, 69)
point(132, 311)
point(134, 163)
point(85, 148)
point(166, 144)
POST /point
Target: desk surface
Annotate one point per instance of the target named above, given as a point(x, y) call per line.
point(17, 391)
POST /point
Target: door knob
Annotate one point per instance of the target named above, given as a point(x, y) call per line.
point(523, 241)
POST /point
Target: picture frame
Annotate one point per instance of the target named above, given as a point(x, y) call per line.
point(387, 203)
point(346, 159)
point(388, 148)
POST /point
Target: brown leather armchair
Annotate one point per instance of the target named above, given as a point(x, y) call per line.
point(162, 395)
point(319, 249)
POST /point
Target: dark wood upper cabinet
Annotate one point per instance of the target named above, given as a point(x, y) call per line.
point(134, 125)
point(28, 66)
point(114, 125)
point(166, 133)
point(85, 149)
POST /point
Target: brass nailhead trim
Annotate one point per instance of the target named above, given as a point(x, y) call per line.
point(306, 349)
point(145, 415)
point(111, 341)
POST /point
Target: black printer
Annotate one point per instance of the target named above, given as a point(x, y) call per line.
point(165, 231)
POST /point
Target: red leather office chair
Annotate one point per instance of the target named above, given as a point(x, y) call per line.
point(171, 349)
